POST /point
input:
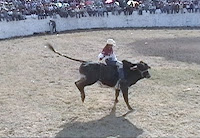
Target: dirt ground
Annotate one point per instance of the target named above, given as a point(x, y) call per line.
point(38, 96)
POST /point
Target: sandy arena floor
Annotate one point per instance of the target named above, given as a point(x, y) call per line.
point(38, 96)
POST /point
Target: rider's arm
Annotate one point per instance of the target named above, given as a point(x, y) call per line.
point(101, 56)
point(112, 57)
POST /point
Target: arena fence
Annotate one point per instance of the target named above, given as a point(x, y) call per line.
point(32, 26)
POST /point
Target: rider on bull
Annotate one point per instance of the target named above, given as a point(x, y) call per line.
point(110, 58)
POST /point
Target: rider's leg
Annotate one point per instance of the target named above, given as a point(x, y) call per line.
point(120, 69)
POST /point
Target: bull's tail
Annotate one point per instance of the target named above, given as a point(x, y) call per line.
point(51, 48)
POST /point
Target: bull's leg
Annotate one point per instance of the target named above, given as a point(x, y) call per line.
point(116, 99)
point(116, 95)
point(80, 84)
point(125, 95)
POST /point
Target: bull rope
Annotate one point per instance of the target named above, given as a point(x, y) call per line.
point(52, 49)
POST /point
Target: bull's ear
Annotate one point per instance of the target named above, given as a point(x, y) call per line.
point(141, 61)
point(126, 63)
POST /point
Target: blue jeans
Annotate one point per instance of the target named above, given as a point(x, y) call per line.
point(110, 62)
point(119, 69)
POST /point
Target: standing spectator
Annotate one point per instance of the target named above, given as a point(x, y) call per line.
point(146, 7)
point(10, 14)
point(5, 15)
point(77, 12)
point(151, 8)
point(177, 7)
point(100, 11)
point(161, 7)
point(105, 11)
point(52, 25)
point(50, 10)
point(167, 7)
point(188, 7)
point(154, 8)
point(140, 8)
point(181, 7)
point(173, 8)
point(199, 6)
point(1, 15)
point(191, 7)
point(196, 7)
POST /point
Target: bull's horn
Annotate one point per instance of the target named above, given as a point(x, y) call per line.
point(133, 68)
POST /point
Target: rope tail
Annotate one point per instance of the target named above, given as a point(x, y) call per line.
point(52, 49)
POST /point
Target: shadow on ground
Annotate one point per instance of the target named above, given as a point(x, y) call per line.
point(108, 126)
point(177, 49)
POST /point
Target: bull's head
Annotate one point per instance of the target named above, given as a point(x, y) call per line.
point(142, 67)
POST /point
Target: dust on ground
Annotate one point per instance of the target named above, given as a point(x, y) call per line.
point(38, 96)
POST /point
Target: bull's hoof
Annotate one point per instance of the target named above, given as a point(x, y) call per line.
point(113, 109)
point(127, 113)
point(83, 98)
point(130, 108)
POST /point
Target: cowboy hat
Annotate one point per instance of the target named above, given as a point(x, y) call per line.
point(111, 42)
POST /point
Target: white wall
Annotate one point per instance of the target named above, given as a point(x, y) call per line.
point(30, 26)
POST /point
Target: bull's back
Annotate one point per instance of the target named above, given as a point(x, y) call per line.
point(108, 75)
point(90, 69)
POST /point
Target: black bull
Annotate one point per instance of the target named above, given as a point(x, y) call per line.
point(108, 75)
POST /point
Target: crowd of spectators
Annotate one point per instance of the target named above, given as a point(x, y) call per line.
point(14, 10)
